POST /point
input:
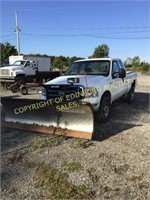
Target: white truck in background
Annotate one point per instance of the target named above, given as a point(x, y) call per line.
point(25, 66)
point(31, 64)
point(27, 69)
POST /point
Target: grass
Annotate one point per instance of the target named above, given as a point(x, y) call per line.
point(80, 143)
point(42, 142)
point(73, 166)
point(57, 184)
point(2, 89)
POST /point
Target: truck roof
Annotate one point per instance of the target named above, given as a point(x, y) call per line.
point(92, 59)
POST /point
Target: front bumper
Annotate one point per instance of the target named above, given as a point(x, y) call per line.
point(95, 103)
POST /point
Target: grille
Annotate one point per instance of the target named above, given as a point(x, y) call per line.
point(69, 92)
point(4, 72)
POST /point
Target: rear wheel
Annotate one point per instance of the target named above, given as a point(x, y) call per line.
point(104, 110)
point(130, 95)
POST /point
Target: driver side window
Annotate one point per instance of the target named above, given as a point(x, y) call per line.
point(27, 64)
point(115, 69)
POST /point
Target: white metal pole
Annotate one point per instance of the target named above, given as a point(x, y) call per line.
point(17, 30)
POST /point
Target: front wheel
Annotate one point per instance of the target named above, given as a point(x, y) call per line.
point(20, 79)
point(104, 110)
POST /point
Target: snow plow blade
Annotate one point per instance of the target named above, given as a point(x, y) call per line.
point(39, 116)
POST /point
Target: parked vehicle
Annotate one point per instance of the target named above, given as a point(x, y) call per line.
point(27, 69)
point(68, 102)
point(97, 81)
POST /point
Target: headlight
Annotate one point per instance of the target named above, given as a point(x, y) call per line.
point(91, 92)
point(43, 91)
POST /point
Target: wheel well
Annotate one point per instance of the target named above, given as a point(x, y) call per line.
point(133, 84)
point(20, 75)
point(108, 94)
point(20, 78)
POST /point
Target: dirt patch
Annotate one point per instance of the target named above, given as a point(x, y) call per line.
point(114, 165)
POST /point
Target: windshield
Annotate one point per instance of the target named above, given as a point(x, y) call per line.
point(98, 67)
point(19, 63)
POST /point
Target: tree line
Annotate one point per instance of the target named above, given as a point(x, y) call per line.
point(62, 62)
point(136, 64)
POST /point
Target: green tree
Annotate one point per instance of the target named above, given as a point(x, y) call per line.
point(72, 60)
point(7, 50)
point(128, 62)
point(57, 63)
point(145, 67)
point(102, 51)
point(136, 61)
point(62, 62)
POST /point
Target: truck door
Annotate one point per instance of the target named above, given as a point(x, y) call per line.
point(29, 69)
point(125, 80)
point(116, 84)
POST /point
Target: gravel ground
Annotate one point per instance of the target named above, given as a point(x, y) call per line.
point(114, 165)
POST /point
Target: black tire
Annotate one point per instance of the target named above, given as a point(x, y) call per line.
point(130, 95)
point(14, 88)
point(24, 91)
point(104, 111)
point(20, 79)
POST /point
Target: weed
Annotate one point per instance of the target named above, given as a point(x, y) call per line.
point(134, 178)
point(58, 185)
point(73, 166)
point(2, 89)
point(45, 142)
point(17, 157)
point(77, 143)
point(93, 175)
point(121, 169)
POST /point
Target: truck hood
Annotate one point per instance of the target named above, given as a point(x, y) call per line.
point(11, 67)
point(85, 80)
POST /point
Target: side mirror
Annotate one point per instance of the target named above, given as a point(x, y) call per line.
point(122, 73)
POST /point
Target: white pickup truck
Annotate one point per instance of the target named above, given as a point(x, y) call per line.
point(98, 81)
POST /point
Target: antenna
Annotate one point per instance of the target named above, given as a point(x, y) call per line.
point(17, 30)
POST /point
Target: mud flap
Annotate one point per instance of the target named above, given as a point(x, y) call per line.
point(39, 116)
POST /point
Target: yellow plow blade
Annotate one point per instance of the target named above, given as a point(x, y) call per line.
point(38, 116)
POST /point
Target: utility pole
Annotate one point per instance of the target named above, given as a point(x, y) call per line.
point(17, 30)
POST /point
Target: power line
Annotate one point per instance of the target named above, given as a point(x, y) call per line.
point(87, 28)
point(83, 28)
point(3, 36)
point(84, 35)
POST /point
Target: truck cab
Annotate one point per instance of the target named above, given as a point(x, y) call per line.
point(28, 67)
point(18, 68)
